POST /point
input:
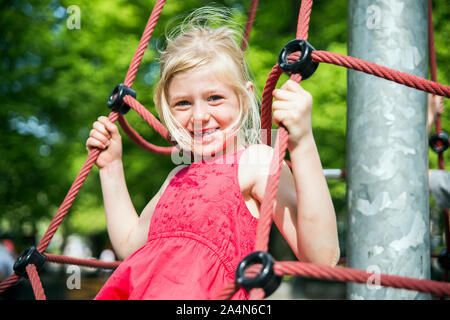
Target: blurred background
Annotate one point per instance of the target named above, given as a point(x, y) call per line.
point(55, 81)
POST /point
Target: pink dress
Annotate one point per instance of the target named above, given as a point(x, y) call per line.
point(200, 230)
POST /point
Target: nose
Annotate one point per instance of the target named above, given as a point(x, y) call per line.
point(200, 113)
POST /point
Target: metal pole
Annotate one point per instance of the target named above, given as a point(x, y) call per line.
point(387, 150)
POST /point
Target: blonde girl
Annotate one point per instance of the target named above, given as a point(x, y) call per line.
point(188, 240)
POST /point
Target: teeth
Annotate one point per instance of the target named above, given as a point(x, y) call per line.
point(209, 131)
point(199, 134)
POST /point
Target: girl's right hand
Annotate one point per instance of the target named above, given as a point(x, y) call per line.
point(106, 137)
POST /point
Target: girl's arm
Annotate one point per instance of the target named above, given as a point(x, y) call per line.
point(121, 216)
point(127, 230)
point(317, 237)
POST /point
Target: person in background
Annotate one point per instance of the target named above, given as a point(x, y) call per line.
point(439, 180)
point(435, 108)
point(7, 258)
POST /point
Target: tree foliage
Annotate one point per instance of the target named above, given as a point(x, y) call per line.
point(56, 80)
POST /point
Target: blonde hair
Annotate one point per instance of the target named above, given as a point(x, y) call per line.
point(207, 38)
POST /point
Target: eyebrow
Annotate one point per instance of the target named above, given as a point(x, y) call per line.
point(180, 97)
point(186, 96)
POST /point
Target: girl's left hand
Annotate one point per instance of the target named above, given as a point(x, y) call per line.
point(292, 107)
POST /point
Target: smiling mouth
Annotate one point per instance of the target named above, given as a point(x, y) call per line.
point(203, 133)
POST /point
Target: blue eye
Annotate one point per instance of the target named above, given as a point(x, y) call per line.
point(215, 98)
point(182, 103)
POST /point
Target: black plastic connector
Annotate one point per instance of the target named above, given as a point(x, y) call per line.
point(439, 142)
point(266, 279)
point(30, 256)
point(115, 100)
point(305, 65)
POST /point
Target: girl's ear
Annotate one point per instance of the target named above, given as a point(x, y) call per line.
point(250, 87)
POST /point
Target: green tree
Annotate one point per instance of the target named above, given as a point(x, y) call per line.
point(56, 80)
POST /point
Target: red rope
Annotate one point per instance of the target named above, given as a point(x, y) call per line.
point(431, 48)
point(147, 116)
point(141, 142)
point(311, 270)
point(35, 282)
point(382, 72)
point(68, 200)
point(249, 24)
point(93, 263)
point(281, 143)
point(71, 195)
point(8, 282)
point(265, 221)
point(143, 43)
point(266, 104)
point(131, 74)
point(344, 274)
point(303, 19)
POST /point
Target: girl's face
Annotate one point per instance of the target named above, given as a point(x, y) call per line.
point(207, 108)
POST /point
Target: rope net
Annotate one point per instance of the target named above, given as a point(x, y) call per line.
point(293, 268)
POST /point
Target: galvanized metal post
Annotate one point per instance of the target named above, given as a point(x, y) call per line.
point(387, 150)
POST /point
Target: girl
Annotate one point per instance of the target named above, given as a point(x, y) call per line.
point(190, 237)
